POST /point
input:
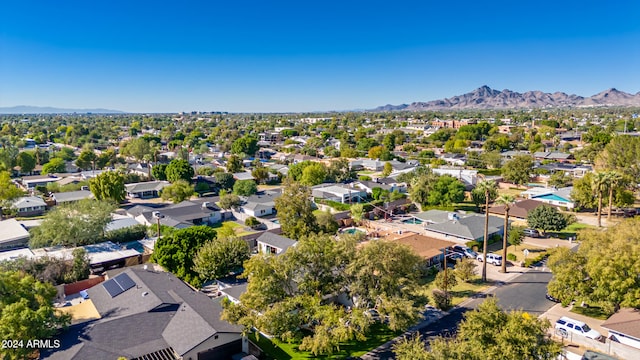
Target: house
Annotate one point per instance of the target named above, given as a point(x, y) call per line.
point(245, 175)
point(71, 196)
point(343, 194)
point(141, 169)
point(29, 206)
point(31, 182)
point(624, 327)
point(468, 177)
point(90, 174)
point(553, 155)
point(518, 210)
point(12, 234)
point(150, 314)
point(454, 159)
point(260, 205)
point(459, 227)
point(102, 256)
point(270, 243)
point(69, 180)
point(145, 190)
point(552, 196)
point(430, 249)
point(185, 214)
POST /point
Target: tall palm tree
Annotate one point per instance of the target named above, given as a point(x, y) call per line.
point(599, 186)
point(489, 188)
point(507, 201)
point(614, 179)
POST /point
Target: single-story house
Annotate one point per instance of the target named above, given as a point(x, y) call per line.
point(244, 175)
point(71, 196)
point(31, 182)
point(12, 234)
point(142, 169)
point(468, 177)
point(29, 206)
point(518, 210)
point(260, 205)
point(552, 196)
point(270, 243)
point(145, 190)
point(149, 314)
point(343, 194)
point(624, 327)
point(102, 256)
point(90, 174)
point(430, 249)
point(185, 214)
point(459, 227)
point(553, 155)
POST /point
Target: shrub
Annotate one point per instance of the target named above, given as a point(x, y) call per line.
point(127, 234)
point(494, 238)
point(251, 221)
point(511, 257)
point(364, 178)
point(474, 245)
point(530, 261)
point(441, 299)
point(570, 218)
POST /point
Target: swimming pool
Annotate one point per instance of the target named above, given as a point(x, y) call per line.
point(412, 221)
point(352, 231)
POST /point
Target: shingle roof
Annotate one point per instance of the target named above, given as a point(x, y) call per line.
point(28, 201)
point(72, 196)
point(146, 186)
point(519, 209)
point(625, 321)
point(470, 227)
point(276, 241)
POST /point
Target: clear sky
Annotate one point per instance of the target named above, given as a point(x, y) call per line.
point(279, 56)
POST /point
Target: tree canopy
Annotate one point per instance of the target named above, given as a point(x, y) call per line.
point(55, 165)
point(179, 169)
point(177, 192)
point(245, 187)
point(487, 333)
point(8, 190)
point(220, 256)
point(26, 312)
point(295, 210)
point(176, 251)
point(546, 218)
point(518, 170)
point(603, 271)
point(81, 223)
point(108, 185)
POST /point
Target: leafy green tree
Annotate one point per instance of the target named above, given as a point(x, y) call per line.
point(559, 179)
point(245, 187)
point(295, 210)
point(225, 180)
point(614, 179)
point(27, 313)
point(261, 174)
point(582, 192)
point(387, 169)
point(219, 257)
point(621, 154)
point(603, 271)
point(326, 223)
point(176, 251)
point(599, 185)
point(137, 148)
point(489, 189)
point(516, 235)
point(55, 165)
point(26, 161)
point(314, 174)
point(8, 190)
point(340, 171)
point(411, 348)
point(376, 152)
point(108, 185)
point(357, 213)
point(245, 145)
point(445, 280)
point(179, 169)
point(81, 223)
point(65, 153)
point(229, 201)
point(465, 269)
point(234, 164)
point(106, 158)
point(546, 218)
point(446, 191)
point(159, 172)
point(178, 192)
point(87, 159)
point(80, 269)
point(488, 333)
point(518, 170)
point(296, 170)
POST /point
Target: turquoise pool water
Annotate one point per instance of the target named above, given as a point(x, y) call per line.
point(412, 221)
point(551, 197)
point(353, 231)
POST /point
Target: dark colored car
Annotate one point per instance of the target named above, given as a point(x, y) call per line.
point(551, 298)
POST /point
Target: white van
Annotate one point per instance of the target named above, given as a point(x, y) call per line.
point(565, 325)
point(491, 259)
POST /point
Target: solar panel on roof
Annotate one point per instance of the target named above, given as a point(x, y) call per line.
point(112, 288)
point(124, 281)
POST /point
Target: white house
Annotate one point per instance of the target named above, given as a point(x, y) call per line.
point(624, 327)
point(552, 196)
point(468, 177)
point(342, 194)
point(12, 234)
point(270, 243)
point(260, 205)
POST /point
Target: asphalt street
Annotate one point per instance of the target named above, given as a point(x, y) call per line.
point(525, 292)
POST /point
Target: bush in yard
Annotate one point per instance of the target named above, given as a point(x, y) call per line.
point(441, 299)
point(511, 257)
point(465, 269)
point(530, 261)
point(127, 234)
point(474, 245)
point(252, 221)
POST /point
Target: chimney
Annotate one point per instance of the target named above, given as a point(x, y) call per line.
point(205, 204)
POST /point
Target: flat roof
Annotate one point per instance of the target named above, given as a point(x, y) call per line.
point(11, 230)
point(14, 254)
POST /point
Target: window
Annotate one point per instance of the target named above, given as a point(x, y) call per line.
point(570, 326)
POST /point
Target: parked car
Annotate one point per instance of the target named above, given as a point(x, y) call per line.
point(453, 257)
point(565, 326)
point(531, 233)
point(491, 259)
point(465, 251)
point(551, 298)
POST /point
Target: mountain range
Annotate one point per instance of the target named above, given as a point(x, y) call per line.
point(26, 109)
point(485, 97)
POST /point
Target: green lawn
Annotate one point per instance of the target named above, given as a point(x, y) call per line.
point(460, 292)
point(592, 312)
point(571, 230)
point(277, 350)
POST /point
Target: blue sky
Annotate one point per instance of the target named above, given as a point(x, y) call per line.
point(278, 56)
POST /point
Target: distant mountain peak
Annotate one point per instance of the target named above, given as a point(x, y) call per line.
point(28, 109)
point(485, 97)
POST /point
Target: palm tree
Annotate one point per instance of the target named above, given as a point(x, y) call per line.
point(489, 189)
point(599, 184)
point(614, 179)
point(505, 200)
